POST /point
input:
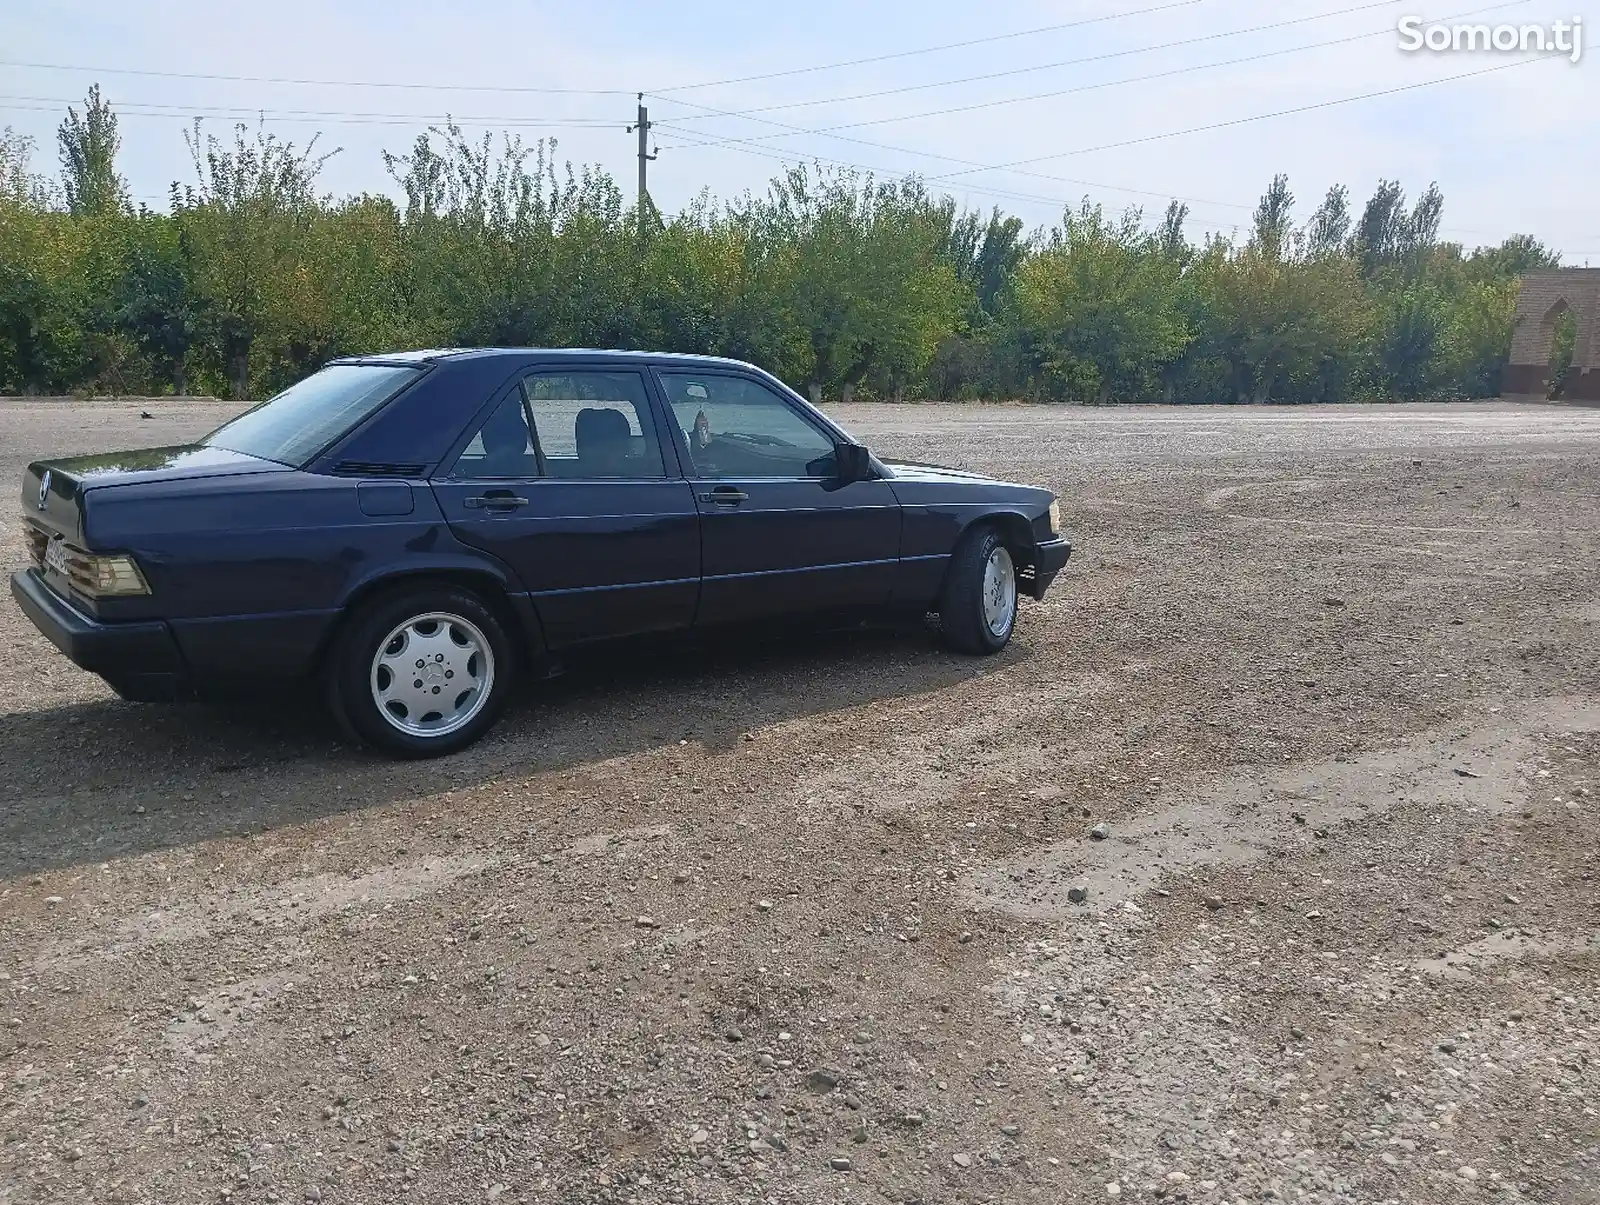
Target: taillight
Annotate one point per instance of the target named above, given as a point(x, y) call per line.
point(113, 576)
point(96, 574)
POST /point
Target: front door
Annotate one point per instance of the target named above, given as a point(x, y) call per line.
point(779, 532)
point(568, 484)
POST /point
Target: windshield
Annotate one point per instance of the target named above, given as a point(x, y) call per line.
point(305, 418)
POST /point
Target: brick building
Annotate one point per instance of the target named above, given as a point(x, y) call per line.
point(1544, 298)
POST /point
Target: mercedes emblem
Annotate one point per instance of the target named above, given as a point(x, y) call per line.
point(44, 490)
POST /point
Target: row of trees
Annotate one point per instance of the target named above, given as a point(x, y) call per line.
point(840, 284)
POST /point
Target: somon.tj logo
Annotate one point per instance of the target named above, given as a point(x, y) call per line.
point(1559, 37)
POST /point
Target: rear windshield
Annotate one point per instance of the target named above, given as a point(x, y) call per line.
point(305, 418)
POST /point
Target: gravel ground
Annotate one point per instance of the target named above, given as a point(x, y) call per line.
point(1313, 719)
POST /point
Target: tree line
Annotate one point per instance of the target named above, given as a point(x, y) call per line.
point(843, 285)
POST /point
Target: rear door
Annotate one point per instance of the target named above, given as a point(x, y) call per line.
point(568, 482)
point(779, 533)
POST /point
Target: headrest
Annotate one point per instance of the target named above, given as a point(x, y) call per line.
point(600, 428)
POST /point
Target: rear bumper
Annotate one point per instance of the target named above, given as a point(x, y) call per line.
point(140, 659)
point(1049, 559)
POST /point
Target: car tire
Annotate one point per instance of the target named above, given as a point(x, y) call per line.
point(458, 662)
point(978, 607)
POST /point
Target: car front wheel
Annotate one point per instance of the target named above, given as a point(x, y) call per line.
point(424, 672)
point(978, 609)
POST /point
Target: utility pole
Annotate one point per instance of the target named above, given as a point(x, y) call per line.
point(643, 126)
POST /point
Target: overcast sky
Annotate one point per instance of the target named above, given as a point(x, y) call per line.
point(1514, 149)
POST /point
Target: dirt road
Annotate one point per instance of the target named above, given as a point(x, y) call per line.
point(794, 925)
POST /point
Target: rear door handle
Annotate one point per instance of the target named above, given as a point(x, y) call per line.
point(724, 495)
point(495, 500)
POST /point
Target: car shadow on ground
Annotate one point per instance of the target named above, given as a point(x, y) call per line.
point(93, 781)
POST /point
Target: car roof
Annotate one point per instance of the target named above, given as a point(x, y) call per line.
point(553, 354)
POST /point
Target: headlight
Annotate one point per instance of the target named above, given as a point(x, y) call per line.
point(1055, 518)
point(108, 575)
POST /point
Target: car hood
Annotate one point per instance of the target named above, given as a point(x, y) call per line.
point(911, 470)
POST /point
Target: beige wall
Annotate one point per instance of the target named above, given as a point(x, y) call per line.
point(1542, 297)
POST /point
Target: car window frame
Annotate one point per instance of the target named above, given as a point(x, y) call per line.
point(680, 437)
point(671, 469)
point(674, 463)
point(501, 397)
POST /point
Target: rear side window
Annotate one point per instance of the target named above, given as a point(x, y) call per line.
point(503, 446)
point(305, 418)
point(593, 425)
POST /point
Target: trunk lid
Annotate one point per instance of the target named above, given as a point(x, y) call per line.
point(53, 490)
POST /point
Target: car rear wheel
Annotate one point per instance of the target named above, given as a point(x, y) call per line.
point(423, 673)
point(978, 609)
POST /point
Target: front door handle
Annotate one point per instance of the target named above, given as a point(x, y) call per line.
point(724, 495)
point(495, 500)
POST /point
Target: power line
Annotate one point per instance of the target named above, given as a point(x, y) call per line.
point(905, 54)
point(154, 109)
point(880, 58)
point(268, 115)
point(138, 107)
point(948, 177)
point(346, 116)
point(318, 83)
point(1238, 121)
point(698, 139)
point(751, 146)
point(828, 131)
point(734, 145)
point(414, 85)
point(394, 118)
point(1498, 236)
point(1092, 87)
point(832, 131)
point(1095, 58)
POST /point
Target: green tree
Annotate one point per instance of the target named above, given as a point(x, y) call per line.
point(1271, 223)
point(157, 307)
point(1097, 306)
point(41, 335)
point(1477, 343)
point(1411, 343)
point(1562, 351)
point(844, 285)
point(860, 276)
point(1329, 227)
point(1283, 327)
point(89, 146)
point(1171, 236)
point(247, 224)
point(20, 186)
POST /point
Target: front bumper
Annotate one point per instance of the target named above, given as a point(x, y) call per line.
point(140, 659)
point(1049, 558)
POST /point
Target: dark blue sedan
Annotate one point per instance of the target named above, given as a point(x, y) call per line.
point(414, 530)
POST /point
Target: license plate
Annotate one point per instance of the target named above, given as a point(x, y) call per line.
point(55, 556)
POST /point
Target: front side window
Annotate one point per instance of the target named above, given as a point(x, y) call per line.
point(593, 425)
point(738, 428)
point(307, 417)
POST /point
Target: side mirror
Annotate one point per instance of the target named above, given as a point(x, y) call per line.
point(852, 462)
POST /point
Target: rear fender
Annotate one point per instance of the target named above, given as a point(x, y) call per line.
point(489, 579)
